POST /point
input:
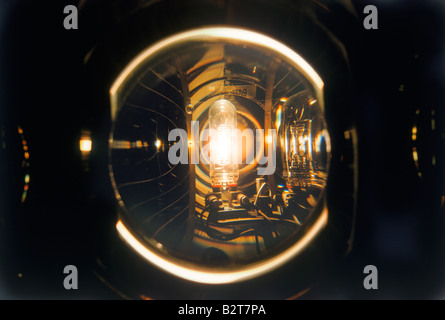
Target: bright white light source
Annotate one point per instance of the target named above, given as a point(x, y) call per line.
point(85, 145)
point(222, 123)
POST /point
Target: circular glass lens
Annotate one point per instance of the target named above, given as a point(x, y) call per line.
point(219, 154)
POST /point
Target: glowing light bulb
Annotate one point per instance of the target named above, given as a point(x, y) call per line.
point(223, 144)
point(85, 144)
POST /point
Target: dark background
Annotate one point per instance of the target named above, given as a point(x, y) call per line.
point(399, 78)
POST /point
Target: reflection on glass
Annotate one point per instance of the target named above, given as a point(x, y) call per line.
point(305, 143)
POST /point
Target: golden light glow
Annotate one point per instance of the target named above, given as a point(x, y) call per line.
point(415, 156)
point(120, 144)
point(414, 133)
point(221, 276)
point(249, 142)
point(85, 144)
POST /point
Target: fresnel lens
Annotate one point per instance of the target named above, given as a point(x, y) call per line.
point(219, 154)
